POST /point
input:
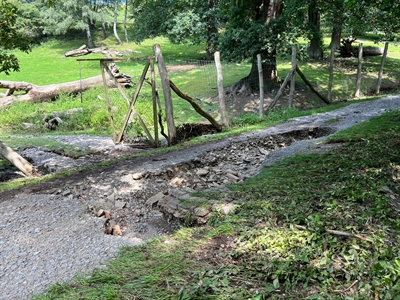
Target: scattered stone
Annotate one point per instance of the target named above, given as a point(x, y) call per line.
point(235, 173)
point(152, 201)
point(176, 181)
point(108, 230)
point(227, 208)
point(67, 192)
point(202, 172)
point(137, 176)
point(263, 151)
point(111, 223)
point(116, 230)
point(61, 215)
point(120, 204)
point(201, 212)
point(232, 177)
point(107, 214)
point(99, 213)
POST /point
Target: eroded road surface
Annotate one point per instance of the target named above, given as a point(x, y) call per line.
point(53, 231)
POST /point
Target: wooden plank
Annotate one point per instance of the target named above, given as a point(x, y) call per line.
point(378, 85)
point(303, 77)
point(330, 83)
point(117, 59)
point(359, 69)
point(280, 91)
point(162, 69)
point(121, 90)
point(153, 96)
point(13, 157)
point(293, 79)
point(109, 106)
point(221, 92)
point(132, 103)
point(261, 82)
point(196, 107)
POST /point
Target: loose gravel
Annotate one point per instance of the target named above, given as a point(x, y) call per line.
point(50, 233)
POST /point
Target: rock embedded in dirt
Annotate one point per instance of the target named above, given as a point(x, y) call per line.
point(99, 213)
point(120, 204)
point(202, 172)
point(107, 214)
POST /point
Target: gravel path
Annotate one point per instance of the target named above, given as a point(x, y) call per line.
point(49, 232)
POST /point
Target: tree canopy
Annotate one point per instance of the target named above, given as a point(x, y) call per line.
point(240, 29)
point(10, 37)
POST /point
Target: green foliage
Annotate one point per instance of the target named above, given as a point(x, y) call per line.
point(10, 38)
point(246, 119)
point(183, 21)
point(28, 19)
point(186, 25)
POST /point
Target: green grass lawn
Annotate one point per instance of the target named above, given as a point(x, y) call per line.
point(46, 64)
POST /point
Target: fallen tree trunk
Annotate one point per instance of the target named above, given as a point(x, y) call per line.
point(36, 93)
point(13, 157)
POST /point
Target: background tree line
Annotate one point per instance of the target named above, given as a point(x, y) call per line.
point(240, 29)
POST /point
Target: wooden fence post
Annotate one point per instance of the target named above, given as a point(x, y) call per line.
point(221, 92)
point(167, 94)
point(330, 83)
point(378, 85)
point(154, 95)
point(359, 69)
point(293, 79)
point(261, 81)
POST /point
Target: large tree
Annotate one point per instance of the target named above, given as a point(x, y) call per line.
point(10, 37)
point(72, 14)
point(315, 47)
point(182, 21)
point(254, 27)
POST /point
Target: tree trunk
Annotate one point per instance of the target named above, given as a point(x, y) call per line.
point(126, 21)
point(266, 11)
point(89, 34)
point(115, 23)
point(212, 32)
point(36, 93)
point(103, 22)
point(17, 160)
point(336, 33)
point(315, 48)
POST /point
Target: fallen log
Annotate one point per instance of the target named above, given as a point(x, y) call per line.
point(13, 157)
point(36, 93)
point(84, 50)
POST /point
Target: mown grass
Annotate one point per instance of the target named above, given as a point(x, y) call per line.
point(46, 64)
point(278, 243)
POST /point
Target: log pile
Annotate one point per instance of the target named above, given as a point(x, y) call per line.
point(123, 79)
point(84, 50)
